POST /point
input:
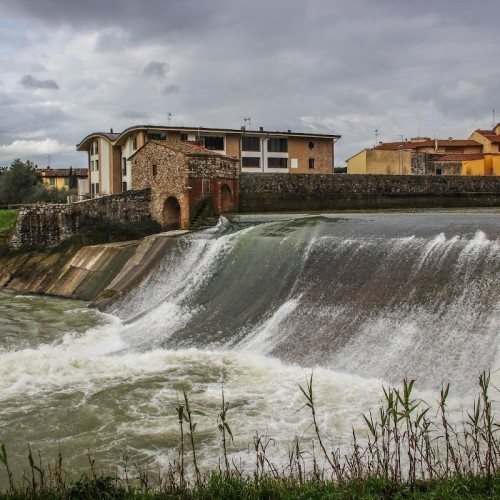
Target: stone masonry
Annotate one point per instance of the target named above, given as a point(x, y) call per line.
point(180, 176)
point(49, 224)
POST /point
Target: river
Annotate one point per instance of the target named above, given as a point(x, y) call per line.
point(254, 307)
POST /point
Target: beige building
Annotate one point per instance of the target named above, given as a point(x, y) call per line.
point(375, 161)
point(411, 157)
point(258, 151)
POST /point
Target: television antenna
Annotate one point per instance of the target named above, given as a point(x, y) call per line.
point(376, 137)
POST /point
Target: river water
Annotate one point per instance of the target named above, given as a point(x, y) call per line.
point(254, 307)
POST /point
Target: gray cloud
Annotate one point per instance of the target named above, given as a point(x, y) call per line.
point(338, 66)
point(30, 82)
point(155, 68)
point(172, 89)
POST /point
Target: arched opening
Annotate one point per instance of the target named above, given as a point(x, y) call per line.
point(171, 215)
point(226, 199)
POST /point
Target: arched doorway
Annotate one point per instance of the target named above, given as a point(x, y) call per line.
point(171, 215)
point(226, 199)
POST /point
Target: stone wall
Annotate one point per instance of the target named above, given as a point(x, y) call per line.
point(47, 225)
point(164, 170)
point(302, 192)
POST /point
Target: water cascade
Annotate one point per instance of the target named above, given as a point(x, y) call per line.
point(255, 305)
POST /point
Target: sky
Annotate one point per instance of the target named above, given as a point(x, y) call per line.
point(368, 70)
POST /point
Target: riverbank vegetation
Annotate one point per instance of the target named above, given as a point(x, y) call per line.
point(407, 450)
point(21, 183)
point(7, 221)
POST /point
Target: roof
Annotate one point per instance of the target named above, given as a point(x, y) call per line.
point(189, 149)
point(460, 157)
point(62, 172)
point(114, 137)
point(490, 135)
point(428, 144)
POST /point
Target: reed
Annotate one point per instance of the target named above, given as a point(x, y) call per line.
point(403, 452)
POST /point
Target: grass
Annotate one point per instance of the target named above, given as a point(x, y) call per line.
point(7, 220)
point(403, 453)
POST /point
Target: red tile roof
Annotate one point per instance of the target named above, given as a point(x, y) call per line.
point(490, 135)
point(188, 148)
point(62, 172)
point(460, 157)
point(441, 143)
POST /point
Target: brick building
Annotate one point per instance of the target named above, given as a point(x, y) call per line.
point(185, 180)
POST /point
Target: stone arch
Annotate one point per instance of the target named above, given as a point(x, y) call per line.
point(171, 215)
point(226, 199)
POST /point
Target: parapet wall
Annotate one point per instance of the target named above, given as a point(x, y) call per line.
point(306, 192)
point(47, 225)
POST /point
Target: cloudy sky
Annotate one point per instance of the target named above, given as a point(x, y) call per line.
point(349, 67)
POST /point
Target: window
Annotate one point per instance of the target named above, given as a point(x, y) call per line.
point(250, 161)
point(277, 162)
point(96, 188)
point(157, 137)
point(184, 137)
point(66, 181)
point(96, 164)
point(124, 187)
point(205, 187)
point(134, 142)
point(52, 181)
point(95, 147)
point(214, 142)
point(311, 145)
point(311, 163)
point(439, 171)
point(154, 169)
point(277, 145)
point(124, 166)
point(249, 143)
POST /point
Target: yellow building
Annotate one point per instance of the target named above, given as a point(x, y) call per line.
point(59, 178)
point(412, 157)
point(489, 139)
point(375, 161)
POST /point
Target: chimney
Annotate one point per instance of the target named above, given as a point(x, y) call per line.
point(289, 131)
point(110, 130)
point(261, 129)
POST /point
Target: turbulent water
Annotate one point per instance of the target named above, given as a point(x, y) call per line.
point(255, 306)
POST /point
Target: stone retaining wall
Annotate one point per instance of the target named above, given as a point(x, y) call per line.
point(303, 192)
point(47, 225)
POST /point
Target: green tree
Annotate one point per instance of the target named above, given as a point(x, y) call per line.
point(73, 179)
point(19, 183)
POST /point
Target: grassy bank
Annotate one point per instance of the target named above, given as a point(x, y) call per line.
point(404, 452)
point(7, 221)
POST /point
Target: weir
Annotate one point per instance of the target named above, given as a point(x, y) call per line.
point(384, 296)
point(254, 307)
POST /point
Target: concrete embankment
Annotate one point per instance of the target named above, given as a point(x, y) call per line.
point(97, 273)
